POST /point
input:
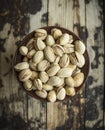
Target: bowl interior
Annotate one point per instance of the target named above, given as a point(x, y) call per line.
point(18, 57)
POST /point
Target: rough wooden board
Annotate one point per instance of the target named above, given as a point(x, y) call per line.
point(68, 114)
point(95, 83)
point(36, 108)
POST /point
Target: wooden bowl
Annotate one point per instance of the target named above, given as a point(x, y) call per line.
point(18, 58)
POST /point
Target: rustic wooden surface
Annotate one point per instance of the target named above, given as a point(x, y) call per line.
point(85, 111)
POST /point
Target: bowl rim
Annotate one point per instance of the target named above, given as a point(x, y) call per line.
point(22, 42)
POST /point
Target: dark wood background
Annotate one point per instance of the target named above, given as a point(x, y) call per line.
point(86, 110)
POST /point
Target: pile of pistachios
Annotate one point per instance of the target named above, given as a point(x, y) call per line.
point(51, 64)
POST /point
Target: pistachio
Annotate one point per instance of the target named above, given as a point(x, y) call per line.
point(69, 48)
point(81, 59)
point(54, 81)
point(31, 53)
point(38, 84)
point(69, 81)
point(22, 65)
point(57, 60)
point(79, 47)
point(38, 57)
point(43, 65)
point(51, 96)
point(76, 70)
point(64, 39)
point(28, 85)
point(62, 83)
point(34, 75)
point(53, 70)
point(73, 58)
point(39, 44)
point(61, 93)
point(70, 39)
point(73, 67)
point(30, 44)
point(40, 33)
point(32, 65)
point(41, 93)
point(70, 91)
point(78, 79)
point(49, 54)
point(58, 50)
point(50, 40)
point(25, 75)
point(47, 87)
point(43, 77)
point(64, 61)
point(56, 33)
point(23, 50)
point(64, 72)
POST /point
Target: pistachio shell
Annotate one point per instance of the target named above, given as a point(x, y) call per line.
point(78, 79)
point(64, 61)
point(70, 91)
point(47, 87)
point(40, 33)
point(25, 75)
point(53, 70)
point(38, 84)
point(70, 39)
point(56, 33)
point(73, 58)
point(43, 77)
point(80, 47)
point(49, 54)
point(77, 70)
point(81, 59)
point(58, 50)
point(64, 39)
point(34, 75)
point(69, 81)
point(62, 83)
point(31, 53)
point(22, 65)
point(56, 61)
point(41, 93)
point(38, 57)
point(54, 81)
point(28, 85)
point(32, 65)
point(23, 50)
point(50, 40)
point(51, 96)
point(61, 93)
point(64, 72)
point(39, 44)
point(43, 65)
point(30, 44)
point(69, 48)
point(73, 67)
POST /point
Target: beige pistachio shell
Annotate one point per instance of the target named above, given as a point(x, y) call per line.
point(64, 39)
point(51, 96)
point(32, 65)
point(38, 84)
point(69, 81)
point(43, 76)
point(47, 87)
point(28, 85)
point(64, 61)
point(25, 75)
point(23, 50)
point(22, 65)
point(64, 72)
point(34, 75)
point(77, 70)
point(80, 47)
point(62, 83)
point(30, 44)
point(78, 79)
point(49, 54)
point(56, 33)
point(70, 91)
point(61, 93)
point(41, 93)
point(43, 65)
point(38, 57)
point(41, 34)
point(73, 58)
point(53, 70)
point(50, 40)
point(31, 53)
point(69, 48)
point(54, 81)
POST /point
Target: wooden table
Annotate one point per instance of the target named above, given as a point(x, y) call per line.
point(86, 110)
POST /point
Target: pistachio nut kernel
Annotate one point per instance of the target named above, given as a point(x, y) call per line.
point(41, 33)
point(51, 96)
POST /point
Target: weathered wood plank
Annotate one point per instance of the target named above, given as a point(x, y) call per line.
point(95, 85)
point(36, 108)
point(68, 114)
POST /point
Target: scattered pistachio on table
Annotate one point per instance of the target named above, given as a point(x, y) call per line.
point(51, 64)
